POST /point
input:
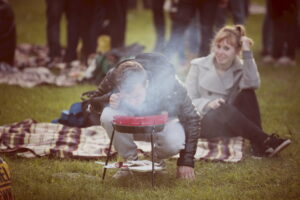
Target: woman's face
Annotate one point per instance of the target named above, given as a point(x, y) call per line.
point(224, 53)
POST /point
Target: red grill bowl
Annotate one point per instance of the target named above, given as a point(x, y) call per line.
point(142, 124)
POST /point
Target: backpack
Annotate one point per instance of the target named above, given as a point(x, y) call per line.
point(73, 117)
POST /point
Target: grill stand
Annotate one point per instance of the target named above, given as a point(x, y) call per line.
point(152, 156)
point(108, 154)
point(109, 150)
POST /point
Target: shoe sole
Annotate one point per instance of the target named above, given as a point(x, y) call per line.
point(280, 148)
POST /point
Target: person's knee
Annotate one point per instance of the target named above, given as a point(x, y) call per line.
point(171, 141)
point(107, 115)
point(169, 149)
point(106, 119)
point(228, 111)
point(174, 147)
point(245, 95)
point(221, 115)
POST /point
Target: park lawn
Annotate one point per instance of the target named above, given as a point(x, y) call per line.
point(268, 179)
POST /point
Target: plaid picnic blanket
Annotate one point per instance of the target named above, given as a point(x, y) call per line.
point(29, 138)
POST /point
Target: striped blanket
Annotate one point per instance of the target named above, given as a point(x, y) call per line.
point(31, 139)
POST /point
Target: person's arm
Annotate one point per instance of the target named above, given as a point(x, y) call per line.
point(251, 78)
point(190, 120)
point(193, 91)
point(103, 95)
point(107, 84)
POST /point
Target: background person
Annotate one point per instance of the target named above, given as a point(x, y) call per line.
point(284, 16)
point(187, 10)
point(117, 16)
point(237, 10)
point(158, 16)
point(92, 24)
point(54, 11)
point(267, 36)
point(7, 33)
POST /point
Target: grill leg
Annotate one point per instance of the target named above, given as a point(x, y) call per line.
point(108, 154)
point(152, 156)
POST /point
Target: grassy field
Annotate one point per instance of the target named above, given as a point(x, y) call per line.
point(269, 179)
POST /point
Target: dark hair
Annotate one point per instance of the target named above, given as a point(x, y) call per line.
point(129, 73)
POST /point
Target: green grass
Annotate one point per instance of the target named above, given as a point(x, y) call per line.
point(268, 179)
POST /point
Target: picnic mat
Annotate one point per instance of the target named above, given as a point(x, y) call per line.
point(32, 66)
point(34, 76)
point(29, 139)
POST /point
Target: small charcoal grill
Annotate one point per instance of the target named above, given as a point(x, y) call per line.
point(138, 125)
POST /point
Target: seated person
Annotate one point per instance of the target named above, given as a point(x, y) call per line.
point(144, 86)
point(221, 86)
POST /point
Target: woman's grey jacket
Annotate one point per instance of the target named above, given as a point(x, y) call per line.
point(204, 84)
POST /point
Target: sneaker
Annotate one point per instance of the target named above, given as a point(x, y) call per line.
point(285, 61)
point(268, 59)
point(258, 154)
point(161, 165)
point(275, 144)
point(122, 173)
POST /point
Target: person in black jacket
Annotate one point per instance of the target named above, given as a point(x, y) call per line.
point(165, 93)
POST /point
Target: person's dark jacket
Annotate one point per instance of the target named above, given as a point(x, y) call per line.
point(165, 93)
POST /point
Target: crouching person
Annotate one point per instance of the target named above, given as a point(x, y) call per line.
point(135, 92)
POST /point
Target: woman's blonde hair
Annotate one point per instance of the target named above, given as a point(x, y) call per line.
point(232, 34)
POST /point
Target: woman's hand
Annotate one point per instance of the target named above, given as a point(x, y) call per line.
point(246, 43)
point(114, 100)
point(216, 103)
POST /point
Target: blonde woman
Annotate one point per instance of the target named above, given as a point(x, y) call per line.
point(222, 86)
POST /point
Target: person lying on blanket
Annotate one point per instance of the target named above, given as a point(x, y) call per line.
point(147, 85)
point(222, 85)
